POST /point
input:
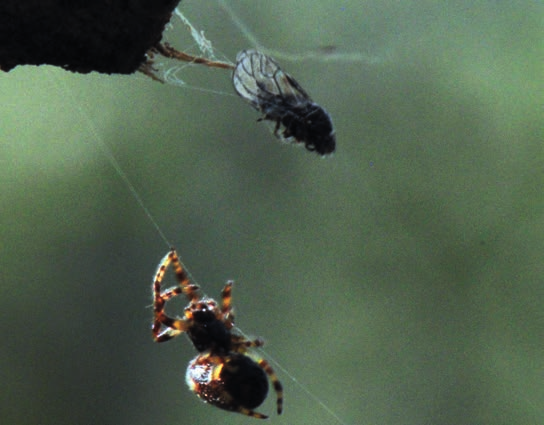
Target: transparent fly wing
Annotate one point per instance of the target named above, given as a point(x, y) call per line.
point(244, 82)
point(260, 81)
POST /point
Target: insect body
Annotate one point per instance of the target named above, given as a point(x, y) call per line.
point(259, 80)
point(223, 373)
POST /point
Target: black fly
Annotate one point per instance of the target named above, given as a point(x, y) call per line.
point(259, 80)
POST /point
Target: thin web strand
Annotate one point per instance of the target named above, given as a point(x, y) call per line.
point(161, 71)
point(326, 54)
point(204, 44)
point(109, 155)
point(170, 75)
point(117, 167)
point(244, 29)
point(299, 384)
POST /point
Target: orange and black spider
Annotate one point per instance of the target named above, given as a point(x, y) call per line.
point(224, 373)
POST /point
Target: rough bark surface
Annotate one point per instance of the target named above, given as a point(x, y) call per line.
point(107, 36)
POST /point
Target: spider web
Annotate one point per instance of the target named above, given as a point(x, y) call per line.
point(173, 72)
point(170, 71)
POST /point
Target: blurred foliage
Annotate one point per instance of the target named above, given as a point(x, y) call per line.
point(400, 281)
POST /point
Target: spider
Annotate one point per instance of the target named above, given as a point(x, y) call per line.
point(223, 374)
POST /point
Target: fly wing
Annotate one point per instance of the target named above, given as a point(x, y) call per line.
point(259, 80)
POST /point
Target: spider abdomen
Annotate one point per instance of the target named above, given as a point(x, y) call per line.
point(232, 382)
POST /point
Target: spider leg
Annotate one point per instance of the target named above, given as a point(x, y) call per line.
point(174, 326)
point(226, 305)
point(185, 285)
point(240, 344)
point(277, 128)
point(182, 276)
point(226, 296)
point(188, 290)
point(251, 413)
point(275, 383)
point(165, 335)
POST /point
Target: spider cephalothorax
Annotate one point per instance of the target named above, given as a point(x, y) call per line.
point(224, 374)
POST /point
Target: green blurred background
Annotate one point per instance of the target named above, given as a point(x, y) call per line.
point(400, 281)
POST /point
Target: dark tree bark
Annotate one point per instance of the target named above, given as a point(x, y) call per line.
point(108, 36)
